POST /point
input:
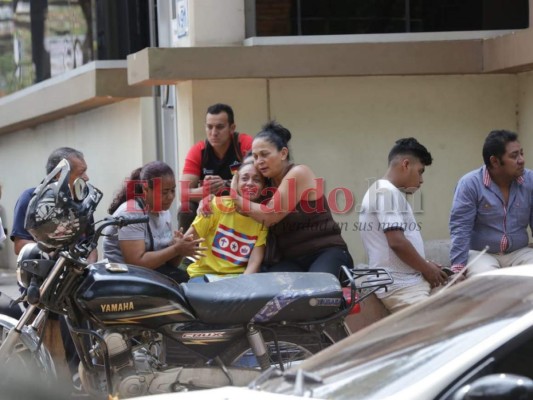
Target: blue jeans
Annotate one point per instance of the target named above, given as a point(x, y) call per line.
point(326, 260)
point(197, 279)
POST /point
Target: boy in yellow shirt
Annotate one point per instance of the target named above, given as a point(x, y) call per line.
point(235, 243)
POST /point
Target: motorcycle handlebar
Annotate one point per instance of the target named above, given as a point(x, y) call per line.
point(119, 222)
point(122, 221)
point(85, 250)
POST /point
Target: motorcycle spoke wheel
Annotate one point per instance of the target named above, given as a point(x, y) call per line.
point(22, 377)
point(293, 346)
point(21, 356)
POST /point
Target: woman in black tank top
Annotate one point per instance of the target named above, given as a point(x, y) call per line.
point(303, 234)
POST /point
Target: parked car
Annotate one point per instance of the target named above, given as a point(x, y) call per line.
point(454, 346)
point(471, 341)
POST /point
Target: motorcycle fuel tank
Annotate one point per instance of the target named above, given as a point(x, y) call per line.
point(121, 294)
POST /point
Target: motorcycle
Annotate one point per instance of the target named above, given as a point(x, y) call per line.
point(137, 332)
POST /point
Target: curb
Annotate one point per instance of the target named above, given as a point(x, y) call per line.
point(8, 277)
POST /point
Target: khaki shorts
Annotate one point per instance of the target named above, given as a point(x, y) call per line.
point(402, 298)
point(491, 262)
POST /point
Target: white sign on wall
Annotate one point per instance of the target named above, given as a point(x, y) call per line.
point(182, 17)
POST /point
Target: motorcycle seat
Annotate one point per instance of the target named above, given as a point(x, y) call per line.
point(265, 297)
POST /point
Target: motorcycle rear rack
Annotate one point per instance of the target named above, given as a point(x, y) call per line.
point(381, 279)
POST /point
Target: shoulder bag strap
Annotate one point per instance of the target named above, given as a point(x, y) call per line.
point(150, 236)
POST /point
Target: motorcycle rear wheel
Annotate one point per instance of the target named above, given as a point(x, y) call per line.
point(295, 345)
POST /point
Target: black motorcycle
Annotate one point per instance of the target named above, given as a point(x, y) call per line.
point(138, 332)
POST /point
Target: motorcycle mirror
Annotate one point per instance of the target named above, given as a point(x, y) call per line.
point(79, 189)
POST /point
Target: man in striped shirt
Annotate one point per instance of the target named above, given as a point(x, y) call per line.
point(493, 206)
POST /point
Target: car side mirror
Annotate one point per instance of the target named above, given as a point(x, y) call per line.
point(497, 387)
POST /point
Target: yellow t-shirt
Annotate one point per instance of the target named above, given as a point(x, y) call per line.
point(229, 237)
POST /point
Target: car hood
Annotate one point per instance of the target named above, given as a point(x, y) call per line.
point(222, 393)
point(420, 350)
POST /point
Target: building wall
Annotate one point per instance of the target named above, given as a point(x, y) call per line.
point(110, 137)
point(248, 98)
point(525, 115)
point(213, 23)
point(344, 128)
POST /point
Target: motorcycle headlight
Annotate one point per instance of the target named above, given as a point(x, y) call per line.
point(23, 278)
point(30, 251)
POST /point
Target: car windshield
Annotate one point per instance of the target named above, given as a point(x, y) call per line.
point(391, 356)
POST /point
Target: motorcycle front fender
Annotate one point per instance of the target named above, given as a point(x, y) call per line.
point(30, 339)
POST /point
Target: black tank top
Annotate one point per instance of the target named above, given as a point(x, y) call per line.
point(310, 227)
point(212, 165)
point(307, 229)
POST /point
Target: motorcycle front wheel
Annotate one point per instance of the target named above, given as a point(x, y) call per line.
point(286, 347)
point(25, 373)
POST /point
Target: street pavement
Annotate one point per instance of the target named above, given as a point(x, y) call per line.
point(8, 283)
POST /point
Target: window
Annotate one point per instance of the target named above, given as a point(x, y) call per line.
point(40, 39)
point(338, 17)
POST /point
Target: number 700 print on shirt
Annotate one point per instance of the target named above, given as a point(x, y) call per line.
point(233, 246)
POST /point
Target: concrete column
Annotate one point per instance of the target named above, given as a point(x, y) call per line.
point(212, 23)
point(186, 126)
point(205, 23)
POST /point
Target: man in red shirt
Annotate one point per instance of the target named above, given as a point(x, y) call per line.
point(209, 164)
